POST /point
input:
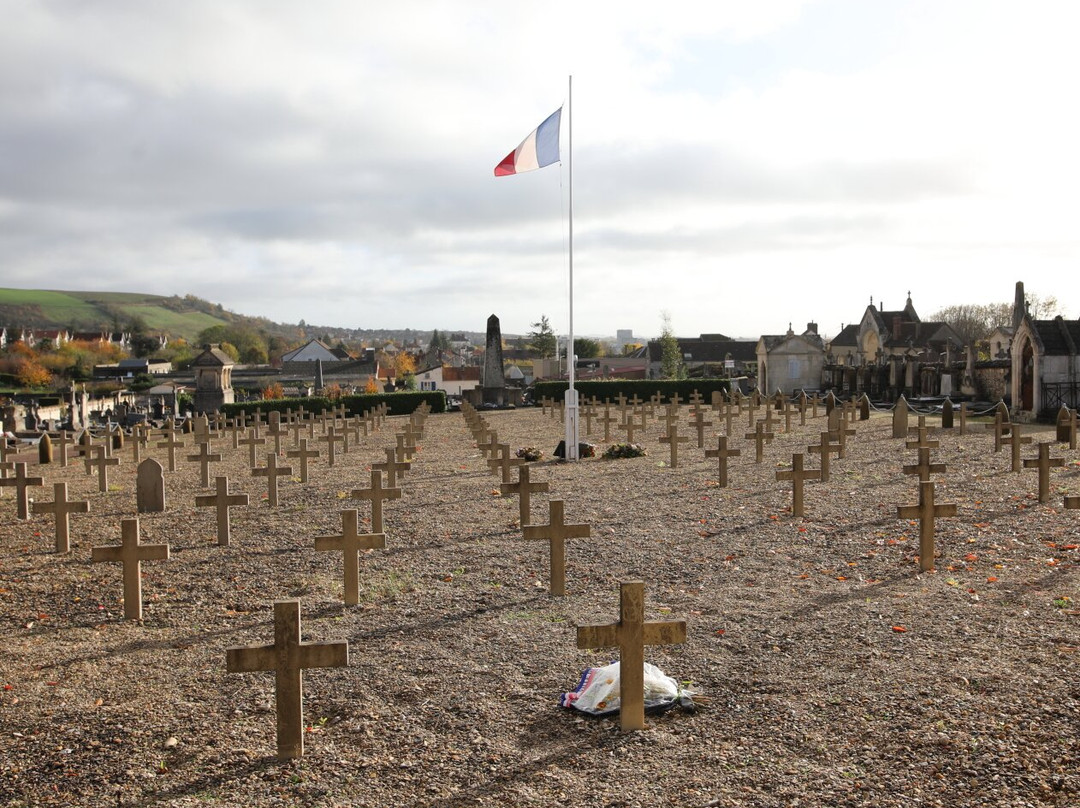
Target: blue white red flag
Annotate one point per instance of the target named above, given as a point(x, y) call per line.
point(539, 149)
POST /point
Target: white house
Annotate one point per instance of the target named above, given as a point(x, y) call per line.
point(452, 381)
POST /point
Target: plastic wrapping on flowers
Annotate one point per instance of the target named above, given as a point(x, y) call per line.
point(597, 692)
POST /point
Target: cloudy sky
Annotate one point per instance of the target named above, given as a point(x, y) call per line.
point(737, 165)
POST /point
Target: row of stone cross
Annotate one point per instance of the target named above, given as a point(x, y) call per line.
point(631, 633)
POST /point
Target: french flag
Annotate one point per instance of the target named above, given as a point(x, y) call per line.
point(539, 149)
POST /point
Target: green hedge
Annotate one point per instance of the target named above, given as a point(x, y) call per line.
point(644, 389)
point(404, 403)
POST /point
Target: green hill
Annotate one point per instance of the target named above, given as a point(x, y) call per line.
point(109, 311)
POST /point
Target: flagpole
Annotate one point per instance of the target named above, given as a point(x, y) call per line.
point(570, 408)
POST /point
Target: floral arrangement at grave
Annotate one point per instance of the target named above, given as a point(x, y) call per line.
point(529, 453)
point(586, 450)
point(620, 450)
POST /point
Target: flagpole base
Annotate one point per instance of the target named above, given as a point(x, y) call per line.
point(570, 410)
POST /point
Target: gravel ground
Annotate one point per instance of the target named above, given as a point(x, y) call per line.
point(830, 670)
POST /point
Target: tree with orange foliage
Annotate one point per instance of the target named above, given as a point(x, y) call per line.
point(30, 374)
point(372, 386)
point(273, 391)
point(404, 365)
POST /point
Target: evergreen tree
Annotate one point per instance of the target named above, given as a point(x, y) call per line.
point(542, 338)
point(671, 361)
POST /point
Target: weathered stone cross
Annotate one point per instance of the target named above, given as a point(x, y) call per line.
point(926, 512)
point(222, 500)
point(760, 438)
point(377, 494)
point(21, 482)
point(723, 453)
point(523, 488)
point(1044, 463)
point(204, 458)
point(271, 472)
point(60, 508)
point(350, 543)
point(556, 532)
point(631, 634)
point(797, 475)
point(131, 554)
point(287, 657)
point(305, 454)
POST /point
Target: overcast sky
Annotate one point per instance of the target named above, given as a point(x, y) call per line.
point(739, 165)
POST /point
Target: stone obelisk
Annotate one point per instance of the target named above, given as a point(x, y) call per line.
point(494, 382)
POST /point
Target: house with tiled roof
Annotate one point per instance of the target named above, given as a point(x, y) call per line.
point(790, 362)
point(709, 355)
point(454, 381)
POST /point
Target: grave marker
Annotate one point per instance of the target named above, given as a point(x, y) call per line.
point(204, 458)
point(20, 482)
point(824, 448)
point(760, 438)
point(350, 543)
point(504, 462)
point(1001, 428)
point(150, 487)
point(271, 472)
point(631, 634)
point(673, 439)
point(222, 500)
point(797, 475)
point(61, 509)
point(1044, 463)
point(99, 461)
point(1015, 441)
point(287, 657)
point(924, 468)
point(900, 418)
point(523, 488)
point(926, 512)
point(331, 438)
point(131, 554)
point(393, 467)
point(376, 494)
point(172, 444)
point(723, 453)
point(304, 453)
point(556, 532)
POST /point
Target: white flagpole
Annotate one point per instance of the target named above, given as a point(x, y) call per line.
point(570, 408)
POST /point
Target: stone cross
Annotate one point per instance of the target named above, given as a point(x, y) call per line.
point(628, 426)
point(824, 448)
point(287, 657)
point(924, 441)
point(700, 423)
point(926, 512)
point(271, 472)
point(760, 438)
point(62, 443)
point(924, 468)
point(61, 508)
point(607, 419)
point(723, 453)
point(797, 475)
point(729, 416)
point(204, 458)
point(1001, 429)
point(171, 443)
point(393, 467)
point(252, 440)
point(150, 487)
point(631, 634)
point(1015, 441)
point(404, 449)
point(504, 462)
point(131, 554)
point(349, 543)
point(102, 463)
point(377, 494)
point(305, 454)
point(673, 439)
point(670, 417)
point(487, 445)
point(222, 500)
point(20, 482)
point(331, 437)
point(556, 532)
point(276, 431)
point(523, 488)
point(963, 417)
point(1044, 463)
point(588, 412)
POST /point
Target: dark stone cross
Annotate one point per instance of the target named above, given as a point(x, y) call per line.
point(204, 458)
point(924, 468)
point(1044, 463)
point(798, 475)
point(61, 508)
point(304, 454)
point(131, 553)
point(222, 500)
point(271, 472)
point(926, 512)
point(349, 543)
point(556, 532)
point(631, 634)
point(20, 482)
point(760, 438)
point(524, 489)
point(287, 657)
point(377, 495)
point(723, 453)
